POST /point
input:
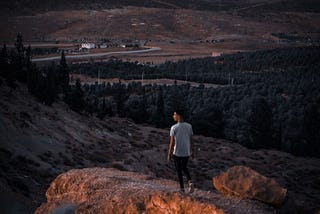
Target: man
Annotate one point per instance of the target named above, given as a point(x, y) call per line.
point(181, 148)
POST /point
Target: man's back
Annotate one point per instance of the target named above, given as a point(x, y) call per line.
point(181, 132)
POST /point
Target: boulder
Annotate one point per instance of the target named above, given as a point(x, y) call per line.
point(101, 190)
point(244, 182)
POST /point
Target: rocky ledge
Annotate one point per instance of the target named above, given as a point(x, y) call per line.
point(106, 190)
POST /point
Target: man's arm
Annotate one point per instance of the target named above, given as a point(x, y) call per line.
point(192, 147)
point(170, 150)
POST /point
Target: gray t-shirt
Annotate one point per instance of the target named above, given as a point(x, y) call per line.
point(181, 133)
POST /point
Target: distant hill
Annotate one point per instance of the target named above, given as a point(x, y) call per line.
point(18, 5)
point(29, 6)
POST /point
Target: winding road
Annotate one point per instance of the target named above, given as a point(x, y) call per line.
point(95, 55)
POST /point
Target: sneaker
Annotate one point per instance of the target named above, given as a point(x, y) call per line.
point(190, 187)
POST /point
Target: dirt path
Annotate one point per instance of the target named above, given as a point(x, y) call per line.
point(96, 55)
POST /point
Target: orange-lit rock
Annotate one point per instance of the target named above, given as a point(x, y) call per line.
point(100, 190)
point(174, 203)
point(247, 183)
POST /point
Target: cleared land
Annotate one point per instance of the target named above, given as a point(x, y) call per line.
point(90, 80)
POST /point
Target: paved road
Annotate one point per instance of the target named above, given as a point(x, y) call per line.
point(95, 55)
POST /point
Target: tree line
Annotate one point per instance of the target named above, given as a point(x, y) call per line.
point(48, 83)
point(273, 102)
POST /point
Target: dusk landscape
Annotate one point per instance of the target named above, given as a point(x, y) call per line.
point(89, 89)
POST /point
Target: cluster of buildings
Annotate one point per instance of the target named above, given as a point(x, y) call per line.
point(121, 43)
point(83, 46)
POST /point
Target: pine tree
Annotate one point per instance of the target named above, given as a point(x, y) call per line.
point(29, 67)
point(102, 110)
point(120, 96)
point(20, 59)
point(50, 90)
point(20, 48)
point(159, 114)
point(4, 61)
point(144, 104)
point(75, 98)
point(28, 56)
point(311, 129)
point(260, 124)
point(4, 54)
point(63, 74)
point(7, 69)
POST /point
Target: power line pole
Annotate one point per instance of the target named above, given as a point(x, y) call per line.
point(142, 77)
point(99, 76)
point(186, 75)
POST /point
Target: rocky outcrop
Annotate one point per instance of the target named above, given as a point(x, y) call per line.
point(100, 190)
point(247, 183)
point(174, 203)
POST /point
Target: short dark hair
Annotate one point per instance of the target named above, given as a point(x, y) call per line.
point(179, 112)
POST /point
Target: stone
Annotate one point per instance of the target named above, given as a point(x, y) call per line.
point(244, 182)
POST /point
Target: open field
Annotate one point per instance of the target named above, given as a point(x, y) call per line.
point(89, 80)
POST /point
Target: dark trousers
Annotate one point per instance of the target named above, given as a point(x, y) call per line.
point(181, 165)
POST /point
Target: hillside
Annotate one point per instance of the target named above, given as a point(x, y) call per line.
point(26, 6)
point(211, 5)
point(39, 142)
point(158, 24)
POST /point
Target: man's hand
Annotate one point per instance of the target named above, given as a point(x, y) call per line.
point(170, 150)
point(192, 156)
point(191, 148)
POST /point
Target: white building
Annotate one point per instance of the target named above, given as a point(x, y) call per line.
point(88, 45)
point(215, 53)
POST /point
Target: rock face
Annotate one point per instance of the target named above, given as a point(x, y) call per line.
point(247, 183)
point(101, 190)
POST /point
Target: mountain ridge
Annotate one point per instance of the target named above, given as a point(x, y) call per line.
point(213, 5)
